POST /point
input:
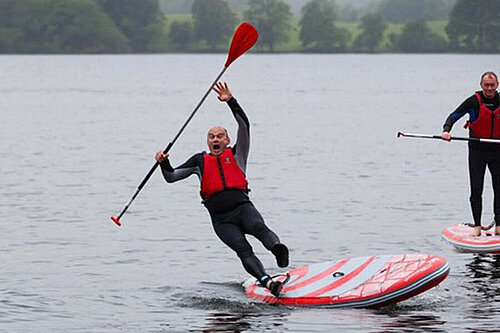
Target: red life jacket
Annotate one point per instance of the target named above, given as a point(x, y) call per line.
point(221, 173)
point(487, 124)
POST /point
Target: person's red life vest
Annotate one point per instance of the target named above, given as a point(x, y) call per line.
point(221, 173)
point(487, 124)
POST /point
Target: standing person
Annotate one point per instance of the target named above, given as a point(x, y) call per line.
point(225, 193)
point(484, 122)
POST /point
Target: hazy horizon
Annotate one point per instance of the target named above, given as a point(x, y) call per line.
point(184, 6)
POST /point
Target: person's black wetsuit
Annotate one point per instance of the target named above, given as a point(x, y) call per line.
point(233, 214)
point(480, 155)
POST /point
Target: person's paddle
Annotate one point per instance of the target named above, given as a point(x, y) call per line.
point(244, 39)
point(456, 138)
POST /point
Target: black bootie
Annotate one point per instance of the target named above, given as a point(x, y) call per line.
point(280, 251)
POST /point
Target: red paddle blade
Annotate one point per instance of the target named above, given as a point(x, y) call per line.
point(116, 220)
point(244, 39)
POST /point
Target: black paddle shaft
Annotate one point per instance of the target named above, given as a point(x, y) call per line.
point(453, 138)
point(169, 146)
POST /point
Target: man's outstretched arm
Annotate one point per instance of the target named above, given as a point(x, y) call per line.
point(171, 175)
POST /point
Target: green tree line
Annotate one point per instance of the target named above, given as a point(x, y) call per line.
point(472, 27)
point(81, 26)
point(122, 26)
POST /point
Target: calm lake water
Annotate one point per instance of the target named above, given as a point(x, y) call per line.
point(78, 134)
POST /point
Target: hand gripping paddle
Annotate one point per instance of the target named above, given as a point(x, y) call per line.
point(457, 138)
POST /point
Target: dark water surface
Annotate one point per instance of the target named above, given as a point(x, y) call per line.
point(78, 133)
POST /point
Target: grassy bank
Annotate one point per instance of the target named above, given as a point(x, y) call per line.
point(294, 45)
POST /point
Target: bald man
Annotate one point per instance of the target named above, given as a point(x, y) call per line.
point(224, 190)
point(483, 109)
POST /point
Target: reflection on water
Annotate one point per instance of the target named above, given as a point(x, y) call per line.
point(484, 267)
point(413, 323)
point(223, 322)
point(413, 315)
point(482, 286)
point(483, 283)
point(240, 322)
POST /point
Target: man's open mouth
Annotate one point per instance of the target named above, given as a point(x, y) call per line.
point(216, 147)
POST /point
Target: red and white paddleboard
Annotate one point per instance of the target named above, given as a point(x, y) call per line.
point(462, 237)
point(359, 282)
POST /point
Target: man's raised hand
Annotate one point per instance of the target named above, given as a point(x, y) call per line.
point(223, 91)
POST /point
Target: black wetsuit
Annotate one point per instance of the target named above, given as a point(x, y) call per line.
point(233, 214)
point(481, 155)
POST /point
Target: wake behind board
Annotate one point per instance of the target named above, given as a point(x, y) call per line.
point(359, 282)
point(461, 236)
